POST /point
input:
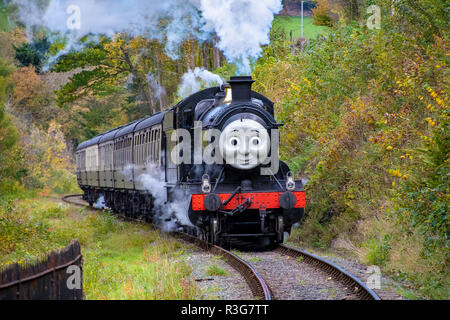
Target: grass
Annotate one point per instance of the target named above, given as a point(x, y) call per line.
point(121, 260)
point(254, 259)
point(215, 270)
point(310, 30)
point(4, 24)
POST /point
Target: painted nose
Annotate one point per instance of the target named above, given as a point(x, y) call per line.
point(245, 147)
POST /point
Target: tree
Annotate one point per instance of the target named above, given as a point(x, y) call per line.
point(32, 96)
point(32, 53)
point(8, 133)
point(322, 14)
point(137, 67)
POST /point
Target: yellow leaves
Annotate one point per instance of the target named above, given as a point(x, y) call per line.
point(430, 121)
point(433, 94)
point(295, 88)
point(406, 156)
point(395, 173)
point(26, 84)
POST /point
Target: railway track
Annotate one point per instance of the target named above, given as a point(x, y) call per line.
point(337, 273)
point(255, 281)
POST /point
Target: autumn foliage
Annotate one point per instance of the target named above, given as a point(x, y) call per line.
point(366, 116)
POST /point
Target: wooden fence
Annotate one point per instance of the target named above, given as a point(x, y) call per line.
point(56, 276)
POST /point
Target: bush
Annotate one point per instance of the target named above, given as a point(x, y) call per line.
point(322, 15)
point(32, 53)
point(366, 120)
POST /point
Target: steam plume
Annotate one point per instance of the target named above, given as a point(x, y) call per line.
point(242, 26)
point(193, 80)
point(169, 215)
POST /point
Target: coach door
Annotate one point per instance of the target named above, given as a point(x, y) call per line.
point(171, 167)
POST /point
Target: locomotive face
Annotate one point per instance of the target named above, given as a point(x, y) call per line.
point(244, 144)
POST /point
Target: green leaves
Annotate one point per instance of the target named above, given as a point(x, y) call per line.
point(82, 84)
point(32, 53)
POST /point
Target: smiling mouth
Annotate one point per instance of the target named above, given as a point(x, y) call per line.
point(245, 161)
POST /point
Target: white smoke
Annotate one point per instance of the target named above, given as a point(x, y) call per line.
point(194, 80)
point(134, 17)
point(101, 203)
point(242, 26)
point(169, 215)
point(155, 88)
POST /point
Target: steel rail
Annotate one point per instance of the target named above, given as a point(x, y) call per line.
point(254, 280)
point(339, 274)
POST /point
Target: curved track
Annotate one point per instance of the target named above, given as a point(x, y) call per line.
point(255, 281)
point(359, 288)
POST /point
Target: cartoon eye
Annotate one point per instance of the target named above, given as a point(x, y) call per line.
point(255, 141)
point(234, 141)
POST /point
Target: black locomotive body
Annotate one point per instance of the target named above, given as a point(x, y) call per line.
point(237, 191)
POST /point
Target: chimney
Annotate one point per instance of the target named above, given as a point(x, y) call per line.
point(241, 88)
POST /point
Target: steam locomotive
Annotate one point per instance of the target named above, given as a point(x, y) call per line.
point(218, 149)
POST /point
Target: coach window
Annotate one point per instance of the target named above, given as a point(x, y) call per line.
point(117, 156)
point(141, 159)
point(100, 159)
point(110, 153)
point(119, 161)
point(143, 148)
point(140, 146)
point(130, 152)
point(153, 146)
point(158, 145)
point(122, 151)
point(125, 151)
point(136, 147)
